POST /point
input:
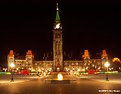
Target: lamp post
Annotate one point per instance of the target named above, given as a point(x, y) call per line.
point(12, 65)
point(107, 64)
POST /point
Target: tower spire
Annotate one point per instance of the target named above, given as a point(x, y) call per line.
point(57, 13)
point(57, 43)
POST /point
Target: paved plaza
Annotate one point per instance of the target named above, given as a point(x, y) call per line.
point(83, 84)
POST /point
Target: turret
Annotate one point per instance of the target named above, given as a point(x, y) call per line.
point(10, 59)
point(104, 58)
point(29, 59)
point(86, 55)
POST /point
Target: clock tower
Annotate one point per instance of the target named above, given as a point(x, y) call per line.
point(57, 43)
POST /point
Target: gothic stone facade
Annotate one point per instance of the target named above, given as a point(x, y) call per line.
point(58, 64)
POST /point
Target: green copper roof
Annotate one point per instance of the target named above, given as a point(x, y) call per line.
point(57, 13)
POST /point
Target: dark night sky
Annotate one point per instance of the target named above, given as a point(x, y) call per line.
point(28, 25)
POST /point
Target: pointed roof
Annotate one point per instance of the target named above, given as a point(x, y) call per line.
point(11, 53)
point(57, 13)
point(29, 52)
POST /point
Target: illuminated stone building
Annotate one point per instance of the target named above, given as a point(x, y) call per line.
point(21, 63)
point(57, 64)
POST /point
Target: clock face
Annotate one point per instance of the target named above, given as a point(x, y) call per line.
point(57, 26)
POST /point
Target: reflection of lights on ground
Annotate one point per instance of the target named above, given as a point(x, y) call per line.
point(59, 90)
point(60, 76)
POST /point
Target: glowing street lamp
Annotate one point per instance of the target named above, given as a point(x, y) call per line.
point(12, 65)
point(107, 64)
